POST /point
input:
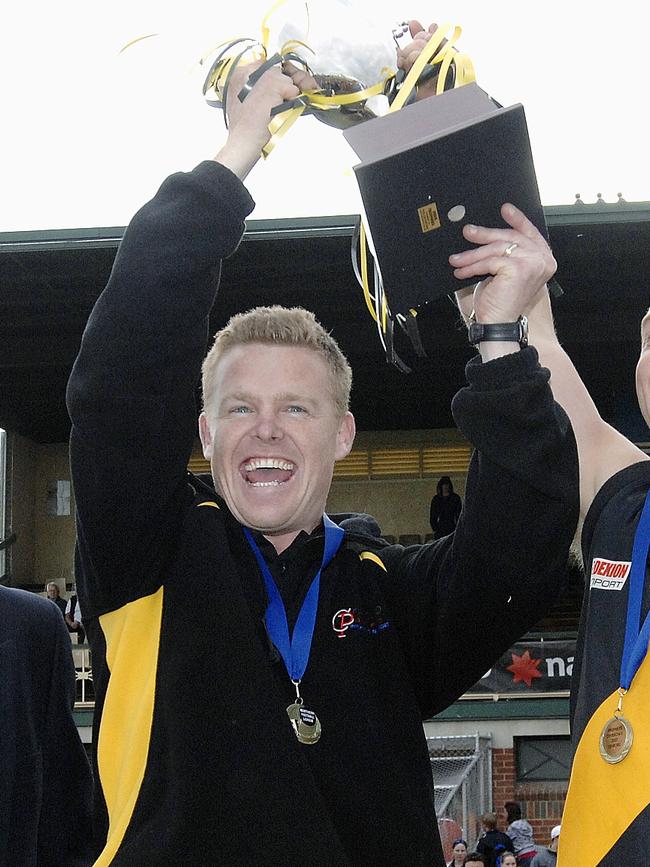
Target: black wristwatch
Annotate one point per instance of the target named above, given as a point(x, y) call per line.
point(510, 332)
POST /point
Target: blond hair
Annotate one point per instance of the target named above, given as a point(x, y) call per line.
point(287, 327)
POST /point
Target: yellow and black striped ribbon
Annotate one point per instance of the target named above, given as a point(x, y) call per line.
point(438, 52)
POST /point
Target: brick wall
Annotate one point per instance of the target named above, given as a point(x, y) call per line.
point(503, 779)
point(541, 803)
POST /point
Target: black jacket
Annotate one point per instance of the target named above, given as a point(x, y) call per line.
point(44, 774)
point(444, 512)
point(607, 545)
point(197, 762)
point(492, 844)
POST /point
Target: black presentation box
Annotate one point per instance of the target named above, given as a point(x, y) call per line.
point(430, 168)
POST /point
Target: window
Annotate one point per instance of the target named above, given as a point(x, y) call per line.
point(543, 759)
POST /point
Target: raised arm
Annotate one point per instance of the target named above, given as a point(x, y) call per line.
point(504, 566)
point(602, 450)
point(131, 392)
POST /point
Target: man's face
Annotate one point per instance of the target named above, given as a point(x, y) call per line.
point(643, 370)
point(52, 591)
point(474, 864)
point(272, 434)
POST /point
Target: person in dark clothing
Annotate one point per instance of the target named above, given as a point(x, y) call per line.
point(53, 595)
point(610, 685)
point(493, 842)
point(445, 509)
point(316, 646)
point(45, 782)
point(615, 508)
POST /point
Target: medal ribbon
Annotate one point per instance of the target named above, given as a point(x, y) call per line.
point(295, 649)
point(636, 636)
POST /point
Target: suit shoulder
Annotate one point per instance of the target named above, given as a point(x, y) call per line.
point(24, 611)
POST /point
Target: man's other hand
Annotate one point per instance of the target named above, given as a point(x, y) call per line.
point(519, 261)
point(248, 121)
point(408, 54)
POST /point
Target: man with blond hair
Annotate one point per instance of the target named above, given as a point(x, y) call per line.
point(289, 729)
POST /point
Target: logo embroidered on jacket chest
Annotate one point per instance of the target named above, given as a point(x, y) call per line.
point(348, 621)
point(366, 620)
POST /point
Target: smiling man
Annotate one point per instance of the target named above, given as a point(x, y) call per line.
point(276, 419)
point(286, 724)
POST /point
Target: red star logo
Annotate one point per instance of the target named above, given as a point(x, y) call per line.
point(524, 668)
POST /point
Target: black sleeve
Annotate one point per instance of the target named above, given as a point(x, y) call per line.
point(131, 392)
point(458, 507)
point(64, 832)
point(433, 514)
point(461, 601)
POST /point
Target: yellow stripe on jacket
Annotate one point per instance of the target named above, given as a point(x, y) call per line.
point(132, 636)
point(369, 555)
point(603, 800)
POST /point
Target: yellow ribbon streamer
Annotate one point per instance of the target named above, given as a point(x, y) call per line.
point(438, 50)
point(266, 30)
point(279, 126)
point(320, 101)
point(418, 67)
point(363, 256)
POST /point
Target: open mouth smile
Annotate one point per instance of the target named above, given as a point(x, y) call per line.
point(267, 472)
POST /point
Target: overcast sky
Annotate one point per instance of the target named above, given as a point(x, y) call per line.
point(89, 133)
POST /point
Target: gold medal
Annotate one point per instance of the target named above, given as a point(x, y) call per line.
point(306, 724)
point(616, 739)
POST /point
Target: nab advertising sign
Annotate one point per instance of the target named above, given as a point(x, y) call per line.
point(530, 667)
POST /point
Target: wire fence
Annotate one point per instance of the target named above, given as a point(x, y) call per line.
point(462, 774)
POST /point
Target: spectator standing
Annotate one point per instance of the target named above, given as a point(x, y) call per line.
point(445, 509)
point(547, 856)
point(45, 782)
point(459, 851)
point(493, 842)
point(508, 859)
point(475, 859)
point(520, 832)
point(73, 618)
point(53, 595)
